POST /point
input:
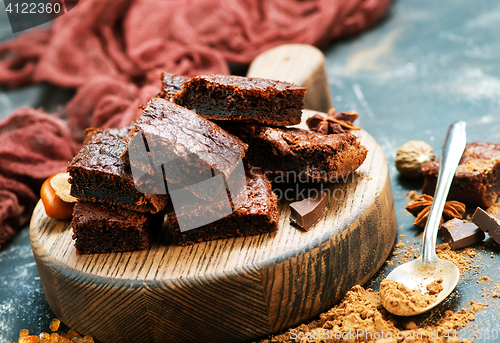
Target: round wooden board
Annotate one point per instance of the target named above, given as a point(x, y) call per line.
point(229, 290)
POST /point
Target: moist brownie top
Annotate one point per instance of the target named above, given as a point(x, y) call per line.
point(248, 83)
point(478, 158)
point(173, 131)
point(102, 150)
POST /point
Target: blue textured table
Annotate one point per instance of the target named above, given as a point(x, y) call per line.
point(427, 64)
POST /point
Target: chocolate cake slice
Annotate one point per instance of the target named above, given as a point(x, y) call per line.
point(171, 84)
point(97, 174)
point(258, 215)
point(477, 178)
point(244, 99)
point(188, 148)
point(297, 154)
point(100, 228)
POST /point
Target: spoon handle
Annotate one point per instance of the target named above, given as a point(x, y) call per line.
point(453, 148)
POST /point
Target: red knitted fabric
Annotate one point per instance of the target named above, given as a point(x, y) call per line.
point(34, 146)
point(112, 52)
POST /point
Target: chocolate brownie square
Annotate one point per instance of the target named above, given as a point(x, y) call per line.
point(297, 154)
point(97, 174)
point(257, 215)
point(246, 99)
point(100, 228)
point(188, 148)
point(477, 178)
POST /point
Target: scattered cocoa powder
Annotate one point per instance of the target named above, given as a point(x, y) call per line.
point(360, 317)
point(461, 258)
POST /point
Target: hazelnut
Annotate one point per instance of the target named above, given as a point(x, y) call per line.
point(56, 198)
point(411, 156)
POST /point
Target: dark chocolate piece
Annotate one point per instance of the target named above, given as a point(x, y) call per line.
point(296, 154)
point(97, 174)
point(238, 98)
point(99, 228)
point(460, 233)
point(307, 212)
point(488, 223)
point(477, 178)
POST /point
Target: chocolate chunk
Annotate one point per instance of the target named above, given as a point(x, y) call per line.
point(306, 213)
point(460, 234)
point(487, 223)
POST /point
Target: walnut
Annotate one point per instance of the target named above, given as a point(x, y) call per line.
point(411, 156)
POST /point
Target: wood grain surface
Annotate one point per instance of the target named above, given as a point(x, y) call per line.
point(229, 290)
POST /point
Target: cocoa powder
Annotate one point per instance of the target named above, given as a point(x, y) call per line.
point(401, 300)
point(360, 317)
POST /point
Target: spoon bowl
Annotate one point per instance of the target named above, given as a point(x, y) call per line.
point(428, 268)
point(417, 275)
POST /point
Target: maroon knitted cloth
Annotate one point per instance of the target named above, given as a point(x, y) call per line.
point(112, 52)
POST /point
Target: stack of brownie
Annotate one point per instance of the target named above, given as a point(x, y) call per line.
point(226, 133)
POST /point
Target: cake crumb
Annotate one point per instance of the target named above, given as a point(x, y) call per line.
point(483, 278)
point(413, 195)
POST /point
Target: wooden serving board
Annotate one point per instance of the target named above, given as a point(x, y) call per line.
point(228, 290)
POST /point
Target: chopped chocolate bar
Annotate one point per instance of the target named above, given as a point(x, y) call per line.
point(238, 98)
point(488, 223)
point(460, 233)
point(306, 213)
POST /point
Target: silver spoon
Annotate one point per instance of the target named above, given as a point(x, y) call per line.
point(428, 268)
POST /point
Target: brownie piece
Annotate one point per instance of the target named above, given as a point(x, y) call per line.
point(171, 84)
point(299, 154)
point(258, 215)
point(476, 181)
point(99, 228)
point(238, 98)
point(97, 174)
point(189, 148)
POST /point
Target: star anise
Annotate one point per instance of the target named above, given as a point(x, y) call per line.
point(333, 122)
point(422, 205)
